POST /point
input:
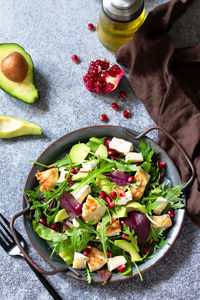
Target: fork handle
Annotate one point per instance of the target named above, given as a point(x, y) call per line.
point(46, 284)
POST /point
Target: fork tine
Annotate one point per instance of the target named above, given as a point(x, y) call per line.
point(5, 220)
point(2, 242)
point(8, 232)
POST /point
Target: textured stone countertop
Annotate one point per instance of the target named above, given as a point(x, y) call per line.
point(51, 32)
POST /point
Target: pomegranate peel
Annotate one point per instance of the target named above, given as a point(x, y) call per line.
point(102, 77)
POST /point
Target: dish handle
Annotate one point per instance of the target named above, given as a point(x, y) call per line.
point(180, 148)
point(33, 264)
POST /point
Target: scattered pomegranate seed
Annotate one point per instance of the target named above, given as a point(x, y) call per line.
point(161, 164)
point(78, 208)
point(138, 164)
point(121, 268)
point(109, 254)
point(73, 170)
point(71, 182)
point(103, 117)
point(115, 106)
point(150, 242)
point(54, 227)
point(108, 200)
point(113, 194)
point(75, 58)
point(170, 213)
point(86, 251)
point(111, 205)
point(127, 114)
point(131, 179)
point(125, 237)
point(102, 195)
point(145, 250)
point(123, 94)
point(122, 194)
point(91, 27)
point(111, 152)
point(43, 221)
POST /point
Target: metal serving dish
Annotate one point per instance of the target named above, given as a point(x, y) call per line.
point(57, 150)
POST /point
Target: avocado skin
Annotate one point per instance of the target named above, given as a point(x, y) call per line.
point(26, 128)
point(12, 47)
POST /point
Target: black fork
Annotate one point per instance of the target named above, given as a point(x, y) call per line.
point(8, 244)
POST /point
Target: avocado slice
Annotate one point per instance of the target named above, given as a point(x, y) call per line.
point(61, 215)
point(128, 247)
point(102, 151)
point(21, 87)
point(78, 153)
point(119, 212)
point(105, 184)
point(11, 127)
point(66, 257)
point(135, 206)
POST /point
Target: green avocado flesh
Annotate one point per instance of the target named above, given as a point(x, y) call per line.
point(25, 90)
point(135, 206)
point(78, 153)
point(128, 248)
point(61, 215)
point(11, 127)
point(102, 151)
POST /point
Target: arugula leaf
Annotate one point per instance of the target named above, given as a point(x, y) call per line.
point(131, 237)
point(79, 239)
point(173, 196)
point(88, 274)
point(103, 238)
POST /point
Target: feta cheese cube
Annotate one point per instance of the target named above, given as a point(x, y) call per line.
point(120, 145)
point(113, 228)
point(96, 260)
point(143, 178)
point(161, 206)
point(161, 222)
point(92, 210)
point(116, 261)
point(81, 194)
point(134, 157)
point(79, 261)
point(63, 172)
point(123, 200)
point(90, 165)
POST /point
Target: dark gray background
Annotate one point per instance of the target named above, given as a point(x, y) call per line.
point(51, 32)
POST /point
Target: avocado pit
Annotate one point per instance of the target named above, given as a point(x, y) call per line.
point(14, 67)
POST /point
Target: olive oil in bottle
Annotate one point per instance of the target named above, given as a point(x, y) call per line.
point(118, 21)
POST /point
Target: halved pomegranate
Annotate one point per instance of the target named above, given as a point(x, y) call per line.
point(102, 76)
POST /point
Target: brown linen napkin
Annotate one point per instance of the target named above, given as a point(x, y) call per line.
point(167, 80)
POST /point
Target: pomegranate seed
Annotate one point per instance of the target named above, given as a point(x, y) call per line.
point(109, 254)
point(73, 170)
point(115, 106)
point(170, 213)
point(43, 221)
point(71, 182)
point(121, 268)
point(86, 251)
point(91, 27)
point(111, 152)
point(127, 114)
point(78, 208)
point(89, 244)
point(122, 222)
point(54, 227)
point(50, 168)
point(113, 194)
point(150, 242)
point(103, 117)
point(125, 237)
point(70, 177)
point(111, 205)
point(122, 194)
point(102, 195)
point(161, 164)
point(131, 179)
point(145, 250)
point(138, 164)
point(108, 200)
point(123, 94)
point(75, 58)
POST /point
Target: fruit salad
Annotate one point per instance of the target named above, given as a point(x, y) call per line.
point(105, 207)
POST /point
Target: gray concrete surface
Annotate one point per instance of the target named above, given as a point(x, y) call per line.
point(52, 31)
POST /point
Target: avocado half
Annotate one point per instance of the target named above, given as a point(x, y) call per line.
point(25, 90)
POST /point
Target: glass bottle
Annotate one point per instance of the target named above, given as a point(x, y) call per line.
point(118, 21)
